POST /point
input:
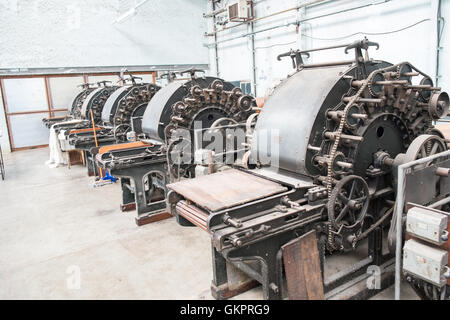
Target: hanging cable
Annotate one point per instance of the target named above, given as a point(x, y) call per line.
point(276, 45)
point(368, 33)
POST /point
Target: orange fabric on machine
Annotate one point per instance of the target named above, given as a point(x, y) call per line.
point(260, 101)
point(137, 144)
point(85, 130)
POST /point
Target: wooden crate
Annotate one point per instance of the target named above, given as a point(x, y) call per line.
point(75, 157)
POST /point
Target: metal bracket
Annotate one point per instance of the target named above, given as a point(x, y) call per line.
point(296, 56)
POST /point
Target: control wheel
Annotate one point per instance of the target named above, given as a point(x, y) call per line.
point(348, 203)
point(120, 132)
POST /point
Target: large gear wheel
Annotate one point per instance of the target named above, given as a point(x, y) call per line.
point(348, 203)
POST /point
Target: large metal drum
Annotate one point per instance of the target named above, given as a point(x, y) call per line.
point(159, 110)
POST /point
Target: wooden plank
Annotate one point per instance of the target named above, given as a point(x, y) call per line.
point(128, 207)
point(29, 147)
point(224, 292)
point(5, 108)
point(26, 112)
point(48, 96)
point(302, 266)
point(153, 218)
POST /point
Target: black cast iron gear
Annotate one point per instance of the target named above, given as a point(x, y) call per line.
point(348, 203)
point(136, 95)
point(200, 101)
point(375, 88)
point(205, 105)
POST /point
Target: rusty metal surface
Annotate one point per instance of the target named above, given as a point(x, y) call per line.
point(302, 265)
point(193, 214)
point(225, 189)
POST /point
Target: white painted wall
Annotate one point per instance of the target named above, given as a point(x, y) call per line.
point(81, 33)
point(416, 44)
point(68, 33)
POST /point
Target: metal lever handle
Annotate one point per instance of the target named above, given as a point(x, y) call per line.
point(296, 56)
point(362, 44)
point(104, 82)
point(131, 78)
point(192, 71)
point(168, 75)
point(232, 222)
point(85, 85)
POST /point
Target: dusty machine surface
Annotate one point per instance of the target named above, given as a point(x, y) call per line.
point(82, 121)
point(74, 108)
point(125, 103)
point(147, 166)
point(89, 100)
point(115, 125)
point(325, 151)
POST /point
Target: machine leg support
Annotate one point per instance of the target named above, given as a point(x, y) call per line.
point(153, 218)
point(223, 291)
point(128, 207)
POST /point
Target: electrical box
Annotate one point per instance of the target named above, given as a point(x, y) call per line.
point(238, 11)
point(425, 262)
point(427, 225)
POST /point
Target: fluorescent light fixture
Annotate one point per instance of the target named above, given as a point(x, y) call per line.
point(130, 12)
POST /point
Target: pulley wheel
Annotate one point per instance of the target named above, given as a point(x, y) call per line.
point(425, 94)
point(423, 146)
point(438, 105)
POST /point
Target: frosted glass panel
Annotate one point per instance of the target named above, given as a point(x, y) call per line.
point(60, 113)
point(113, 79)
point(25, 94)
point(64, 90)
point(147, 78)
point(28, 130)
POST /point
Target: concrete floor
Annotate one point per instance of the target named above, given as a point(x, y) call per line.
point(54, 225)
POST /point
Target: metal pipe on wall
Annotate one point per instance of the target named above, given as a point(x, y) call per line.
point(216, 49)
point(296, 22)
point(267, 16)
point(438, 49)
point(252, 27)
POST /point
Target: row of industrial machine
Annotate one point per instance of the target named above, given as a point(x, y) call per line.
point(281, 188)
